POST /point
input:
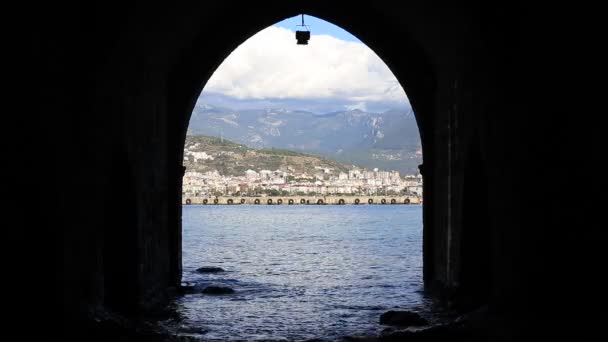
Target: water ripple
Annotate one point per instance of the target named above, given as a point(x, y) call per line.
point(299, 272)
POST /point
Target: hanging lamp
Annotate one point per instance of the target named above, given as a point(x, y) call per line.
point(303, 36)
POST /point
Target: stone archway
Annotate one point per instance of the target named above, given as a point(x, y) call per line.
point(117, 84)
point(144, 67)
point(408, 60)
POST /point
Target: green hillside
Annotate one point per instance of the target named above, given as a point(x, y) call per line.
point(232, 159)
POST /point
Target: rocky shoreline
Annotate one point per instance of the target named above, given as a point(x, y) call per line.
point(405, 326)
point(168, 325)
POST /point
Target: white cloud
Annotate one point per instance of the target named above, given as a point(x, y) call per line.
point(360, 106)
point(271, 65)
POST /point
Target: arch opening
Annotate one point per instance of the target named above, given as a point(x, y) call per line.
point(139, 80)
point(215, 123)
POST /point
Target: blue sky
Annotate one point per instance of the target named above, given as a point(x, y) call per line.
point(334, 72)
point(317, 26)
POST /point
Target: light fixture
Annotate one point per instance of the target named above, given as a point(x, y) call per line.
point(303, 36)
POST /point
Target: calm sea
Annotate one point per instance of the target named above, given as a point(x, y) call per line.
point(300, 272)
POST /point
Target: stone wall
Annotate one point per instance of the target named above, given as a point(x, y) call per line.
point(113, 86)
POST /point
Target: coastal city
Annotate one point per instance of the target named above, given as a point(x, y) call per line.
point(285, 182)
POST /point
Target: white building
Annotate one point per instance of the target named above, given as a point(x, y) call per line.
point(251, 175)
point(199, 156)
point(354, 174)
point(415, 190)
point(382, 174)
point(265, 174)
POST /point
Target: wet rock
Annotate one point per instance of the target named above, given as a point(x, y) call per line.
point(106, 326)
point(186, 289)
point(193, 331)
point(217, 290)
point(209, 269)
point(474, 318)
point(444, 332)
point(361, 338)
point(186, 338)
point(402, 319)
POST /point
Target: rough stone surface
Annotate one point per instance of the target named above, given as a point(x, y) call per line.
point(110, 89)
point(217, 290)
point(187, 331)
point(402, 318)
point(447, 332)
point(209, 269)
point(361, 338)
point(187, 289)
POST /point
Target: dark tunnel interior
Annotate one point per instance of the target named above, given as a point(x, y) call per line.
point(504, 234)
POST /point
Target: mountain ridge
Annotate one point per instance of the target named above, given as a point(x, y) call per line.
point(388, 140)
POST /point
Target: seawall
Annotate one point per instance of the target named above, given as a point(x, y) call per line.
point(301, 200)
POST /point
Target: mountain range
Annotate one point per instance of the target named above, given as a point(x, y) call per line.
point(388, 140)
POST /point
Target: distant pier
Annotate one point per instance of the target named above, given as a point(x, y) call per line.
point(302, 200)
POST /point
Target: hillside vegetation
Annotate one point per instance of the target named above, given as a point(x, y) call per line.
point(232, 159)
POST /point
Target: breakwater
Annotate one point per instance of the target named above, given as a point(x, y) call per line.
point(302, 200)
